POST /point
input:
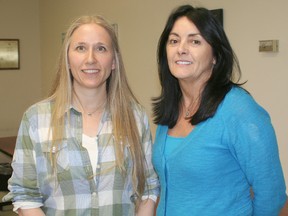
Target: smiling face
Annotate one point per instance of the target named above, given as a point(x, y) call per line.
point(190, 57)
point(90, 57)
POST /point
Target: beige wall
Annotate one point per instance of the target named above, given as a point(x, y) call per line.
point(19, 88)
point(139, 26)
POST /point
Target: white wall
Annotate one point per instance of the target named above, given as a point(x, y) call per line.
point(140, 24)
point(246, 22)
point(19, 88)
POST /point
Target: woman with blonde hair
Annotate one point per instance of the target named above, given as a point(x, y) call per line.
point(86, 149)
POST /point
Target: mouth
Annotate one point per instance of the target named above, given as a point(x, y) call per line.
point(90, 71)
point(182, 62)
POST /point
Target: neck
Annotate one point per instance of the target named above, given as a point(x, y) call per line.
point(189, 108)
point(89, 104)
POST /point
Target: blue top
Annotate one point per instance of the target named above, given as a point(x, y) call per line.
point(211, 171)
point(172, 143)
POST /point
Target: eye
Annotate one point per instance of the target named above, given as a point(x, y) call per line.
point(80, 48)
point(172, 41)
point(101, 49)
point(195, 42)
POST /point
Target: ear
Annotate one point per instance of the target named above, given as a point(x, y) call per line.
point(113, 64)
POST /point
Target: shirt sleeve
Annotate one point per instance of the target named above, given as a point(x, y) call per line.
point(152, 185)
point(25, 205)
point(23, 182)
point(254, 145)
point(152, 197)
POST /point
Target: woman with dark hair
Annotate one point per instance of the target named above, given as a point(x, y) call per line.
point(214, 142)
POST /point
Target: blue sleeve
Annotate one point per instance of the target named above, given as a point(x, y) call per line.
point(254, 145)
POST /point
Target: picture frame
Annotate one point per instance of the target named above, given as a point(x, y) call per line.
point(9, 54)
point(218, 13)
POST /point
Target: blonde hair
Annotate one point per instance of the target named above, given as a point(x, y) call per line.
point(120, 100)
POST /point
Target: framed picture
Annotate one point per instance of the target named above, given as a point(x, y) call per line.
point(9, 54)
point(218, 13)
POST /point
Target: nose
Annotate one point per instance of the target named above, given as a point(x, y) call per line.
point(183, 48)
point(91, 57)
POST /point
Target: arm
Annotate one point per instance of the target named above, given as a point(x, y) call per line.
point(31, 212)
point(146, 208)
point(284, 211)
point(256, 150)
point(152, 183)
point(23, 184)
point(265, 172)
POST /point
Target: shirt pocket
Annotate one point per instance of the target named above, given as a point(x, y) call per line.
point(58, 157)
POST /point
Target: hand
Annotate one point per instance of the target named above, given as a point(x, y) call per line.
point(146, 208)
point(31, 212)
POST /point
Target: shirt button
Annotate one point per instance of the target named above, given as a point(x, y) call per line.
point(94, 194)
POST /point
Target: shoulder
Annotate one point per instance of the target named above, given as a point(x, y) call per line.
point(139, 111)
point(141, 117)
point(40, 108)
point(238, 96)
point(239, 103)
point(36, 118)
point(161, 130)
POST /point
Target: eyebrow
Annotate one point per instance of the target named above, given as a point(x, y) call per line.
point(190, 35)
point(84, 43)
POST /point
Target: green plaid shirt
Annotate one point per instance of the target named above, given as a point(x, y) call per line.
point(74, 190)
